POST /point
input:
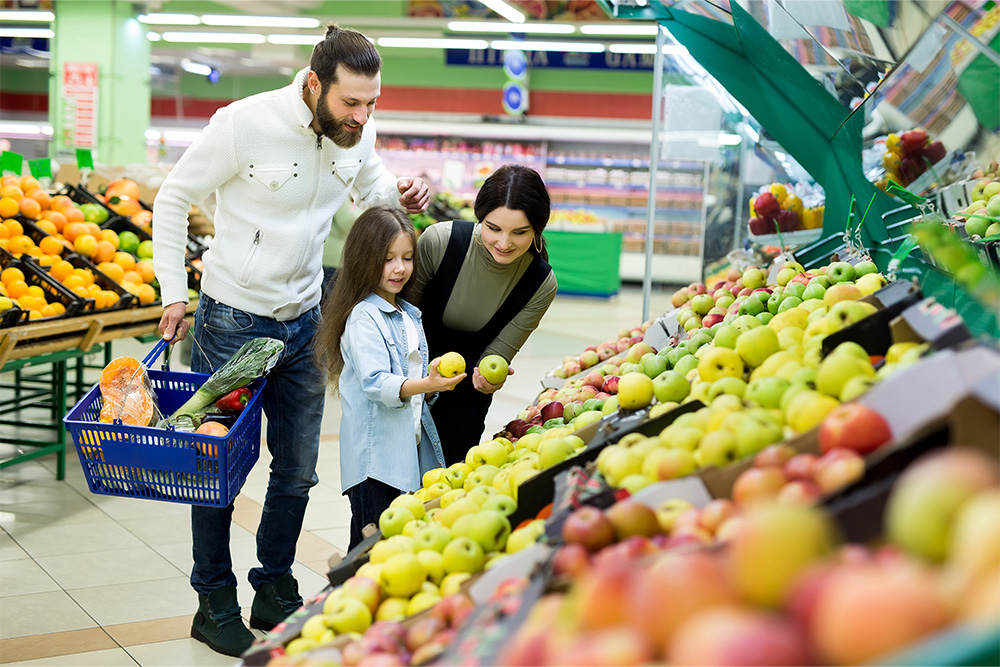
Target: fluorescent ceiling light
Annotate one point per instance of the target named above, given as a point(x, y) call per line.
point(152, 135)
point(619, 29)
point(214, 37)
point(43, 33)
point(260, 21)
point(575, 47)
point(169, 19)
point(308, 40)
point(504, 10)
point(432, 43)
point(645, 48)
point(496, 26)
point(37, 17)
point(20, 129)
point(153, 36)
point(195, 68)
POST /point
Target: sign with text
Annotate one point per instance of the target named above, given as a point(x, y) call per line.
point(79, 117)
point(553, 59)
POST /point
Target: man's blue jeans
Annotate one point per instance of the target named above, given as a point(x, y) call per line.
point(293, 404)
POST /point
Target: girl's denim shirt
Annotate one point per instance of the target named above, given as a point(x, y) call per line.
point(376, 427)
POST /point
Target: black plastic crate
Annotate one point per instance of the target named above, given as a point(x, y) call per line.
point(55, 291)
point(121, 224)
point(13, 316)
point(125, 298)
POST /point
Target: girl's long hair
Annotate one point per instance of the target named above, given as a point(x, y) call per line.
point(360, 272)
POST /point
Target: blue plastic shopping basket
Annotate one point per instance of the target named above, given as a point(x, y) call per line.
point(165, 464)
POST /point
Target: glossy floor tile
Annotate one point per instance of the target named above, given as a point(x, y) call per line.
point(98, 580)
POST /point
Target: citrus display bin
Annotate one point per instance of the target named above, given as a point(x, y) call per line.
point(166, 464)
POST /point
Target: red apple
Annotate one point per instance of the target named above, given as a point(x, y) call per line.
point(766, 205)
point(800, 492)
point(364, 589)
point(838, 468)
point(610, 646)
point(630, 517)
point(738, 636)
point(589, 527)
point(854, 426)
point(628, 550)
point(711, 319)
point(774, 456)
point(758, 484)
point(594, 379)
point(603, 596)
point(605, 352)
point(572, 560)
point(552, 410)
point(454, 609)
point(715, 513)
point(801, 466)
point(422, 631)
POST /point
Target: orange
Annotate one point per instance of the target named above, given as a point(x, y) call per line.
point(145, 270)
point(9, 179)
point(3, 232)
point(47, 226)
point(59, 308)
point(40, 196)
point(74, 229)
point(12, 191)
point(34, 251)
point(143, 218)
point(81, 292)
point(109, 235)
point(8, 207)
point(56, 218)
point(60, 270)
point(34, 314)
point(50, 246)
point(35, 290)
point(29, 183)
point(105, 251)
point(94, 289)
point(126, 260)
point(85, 244)
point(88, 277)
point(93, 229)
point(132, 277)
point(19, 244)
point(48, 260)
point(73, 214)
point(130, 287)
point(16, 288)
point(110, 298)
point(113, 271)
point(14, 228)
point(73, 281)
point(49, 311)
point(29, 207)
point(11, 274)
point(146, 294)
point(59, 202)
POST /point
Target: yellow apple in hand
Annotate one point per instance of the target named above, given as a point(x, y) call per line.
point(451, 364)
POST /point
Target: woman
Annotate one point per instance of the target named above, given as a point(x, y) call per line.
point(482, 289)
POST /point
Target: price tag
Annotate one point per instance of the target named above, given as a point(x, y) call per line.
point(10, 162)
point(941, 327)
point(84, 158)
point(41, 168)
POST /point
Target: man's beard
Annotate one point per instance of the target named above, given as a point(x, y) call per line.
point(334, 129)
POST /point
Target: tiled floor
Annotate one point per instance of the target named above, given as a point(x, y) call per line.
point(98, 580)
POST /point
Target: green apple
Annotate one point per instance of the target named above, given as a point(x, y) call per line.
point(393, 520)
point(681, 437)
point(718, 448)
point(744, 323)
point(383, 550)
point(492, 452)
point(789, 302)
point(493, 368)
point(455, 477)
point(433, 563)
point(402, 576)
point(501, 502)
point(314, 628)
point(433, 537)
point(757, 430)
point(834, 372)
point(587, 418)
point(410, 502)
point(855, 387)
point(841, 272)
point(785, 275)
point(841, 292)
point(864, 268)
point(482, 476)
point(525, 536)
point(635, 391)
point(618, 465)
point(479, 494)
point(807, 409)
point(669, 464)
point(870, 283)
point(463, 554)
point(814, 290)
point(452, 583)
point(846, 313)
point(488, 528)
point(432, 476)
point(720, 362)
point(352, 615)
point(414, 527)
point(755, 346)
point(555, 450)
point(674, 355)
point(671, 386)
point(766, 391)
point(436, 490)
point(451, 496)
point(653, 365)
point(727, 386)
point(726, 336)
point(696, 341)
point(686, 364)
point(764, 317)
point(448, 515)
point(610, 406)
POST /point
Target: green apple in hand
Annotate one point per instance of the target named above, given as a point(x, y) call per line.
point(493, 368)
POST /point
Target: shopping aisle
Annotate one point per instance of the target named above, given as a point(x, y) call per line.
point(97, 580)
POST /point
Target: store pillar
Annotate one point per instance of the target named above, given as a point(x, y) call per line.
point(99, 81)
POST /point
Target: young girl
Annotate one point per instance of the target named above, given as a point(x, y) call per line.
point(373, 342)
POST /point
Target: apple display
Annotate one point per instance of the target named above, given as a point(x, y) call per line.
point(588, 527)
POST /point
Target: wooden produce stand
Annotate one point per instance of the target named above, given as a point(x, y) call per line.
point(48, 346)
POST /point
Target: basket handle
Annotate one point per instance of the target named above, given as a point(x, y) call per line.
point(157, 349)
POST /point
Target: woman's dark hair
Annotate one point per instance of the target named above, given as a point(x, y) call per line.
point(359, 274)
point(518, 188)
point(346, 47)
